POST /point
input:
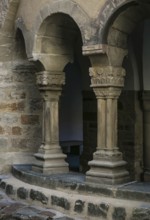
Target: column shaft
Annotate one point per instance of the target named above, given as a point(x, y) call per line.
point(101, 130)
point(111, 124)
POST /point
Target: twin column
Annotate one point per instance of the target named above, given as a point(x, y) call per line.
point(107, 165)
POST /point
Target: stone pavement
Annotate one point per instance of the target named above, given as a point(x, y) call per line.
point(13, 210)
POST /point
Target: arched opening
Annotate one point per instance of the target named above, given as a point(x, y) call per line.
point(128, 30)
point(59, 47)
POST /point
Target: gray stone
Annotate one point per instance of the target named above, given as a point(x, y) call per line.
point(36, 195)
point(60, 201)
point(142, 214)
point(119, 213)
point(79, 206)
point(9, 190)
point(98, 210)
point(2, 185)
point(22, 193)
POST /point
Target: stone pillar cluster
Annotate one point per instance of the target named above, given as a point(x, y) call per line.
point(107, 165)
point(50, 158)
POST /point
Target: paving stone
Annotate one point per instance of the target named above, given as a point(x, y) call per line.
point(8, 211)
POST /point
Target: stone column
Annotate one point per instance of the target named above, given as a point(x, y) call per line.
point(50, 158)
point(146, 134)
point(107, 165)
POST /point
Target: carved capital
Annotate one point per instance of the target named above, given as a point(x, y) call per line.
point(50, 79)
point(107, 76)
point(106, 93)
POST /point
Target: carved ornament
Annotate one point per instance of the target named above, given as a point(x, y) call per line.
point(107, 76)
point(52, 79)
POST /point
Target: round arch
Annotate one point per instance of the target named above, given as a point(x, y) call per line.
point(66, 7)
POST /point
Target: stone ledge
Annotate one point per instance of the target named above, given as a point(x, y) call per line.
point(75, 183)
point(75, 205)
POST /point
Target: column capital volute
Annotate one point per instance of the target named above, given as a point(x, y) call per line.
point(50, 80)
point(107, 76)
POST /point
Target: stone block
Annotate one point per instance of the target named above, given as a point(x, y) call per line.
point(3, 185)
point(119, 213)
point(35, 105)
point(141, 213)
point(29, 119)
point(22, 193)
point(79, 206)
point(9, 190)
point(11, 107)
point(1, 130)
point(98, 210)
point(16, 130)
point(61, 202)
point(39, 196)
point(8, 118)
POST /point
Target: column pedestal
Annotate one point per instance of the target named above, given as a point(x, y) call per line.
point(107, 166)
point(50, 159)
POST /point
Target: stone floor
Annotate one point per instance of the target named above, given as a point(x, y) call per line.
point(16, 210)
point(69, 197)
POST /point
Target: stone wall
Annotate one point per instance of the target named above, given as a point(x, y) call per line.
point(130, 132)
point(20, 113)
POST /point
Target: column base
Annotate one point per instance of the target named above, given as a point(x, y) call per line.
point(107, 168)
point(50, 163)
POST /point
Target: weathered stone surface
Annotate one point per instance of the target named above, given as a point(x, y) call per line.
point(141, 213)
point(79, 206)
point(29, 119)
point(9, 190)
point(22, 193)
point(4, 4)
point(119, 213)
point(2, 185)
point(59, 201)
point(98, 210)
point(39, 196)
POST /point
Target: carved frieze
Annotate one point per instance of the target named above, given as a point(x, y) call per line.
point(107, 76)
point(52, 79)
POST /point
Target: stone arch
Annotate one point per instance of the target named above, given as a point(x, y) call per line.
point(119, 18)
point(66, 7)
point(108, 12)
